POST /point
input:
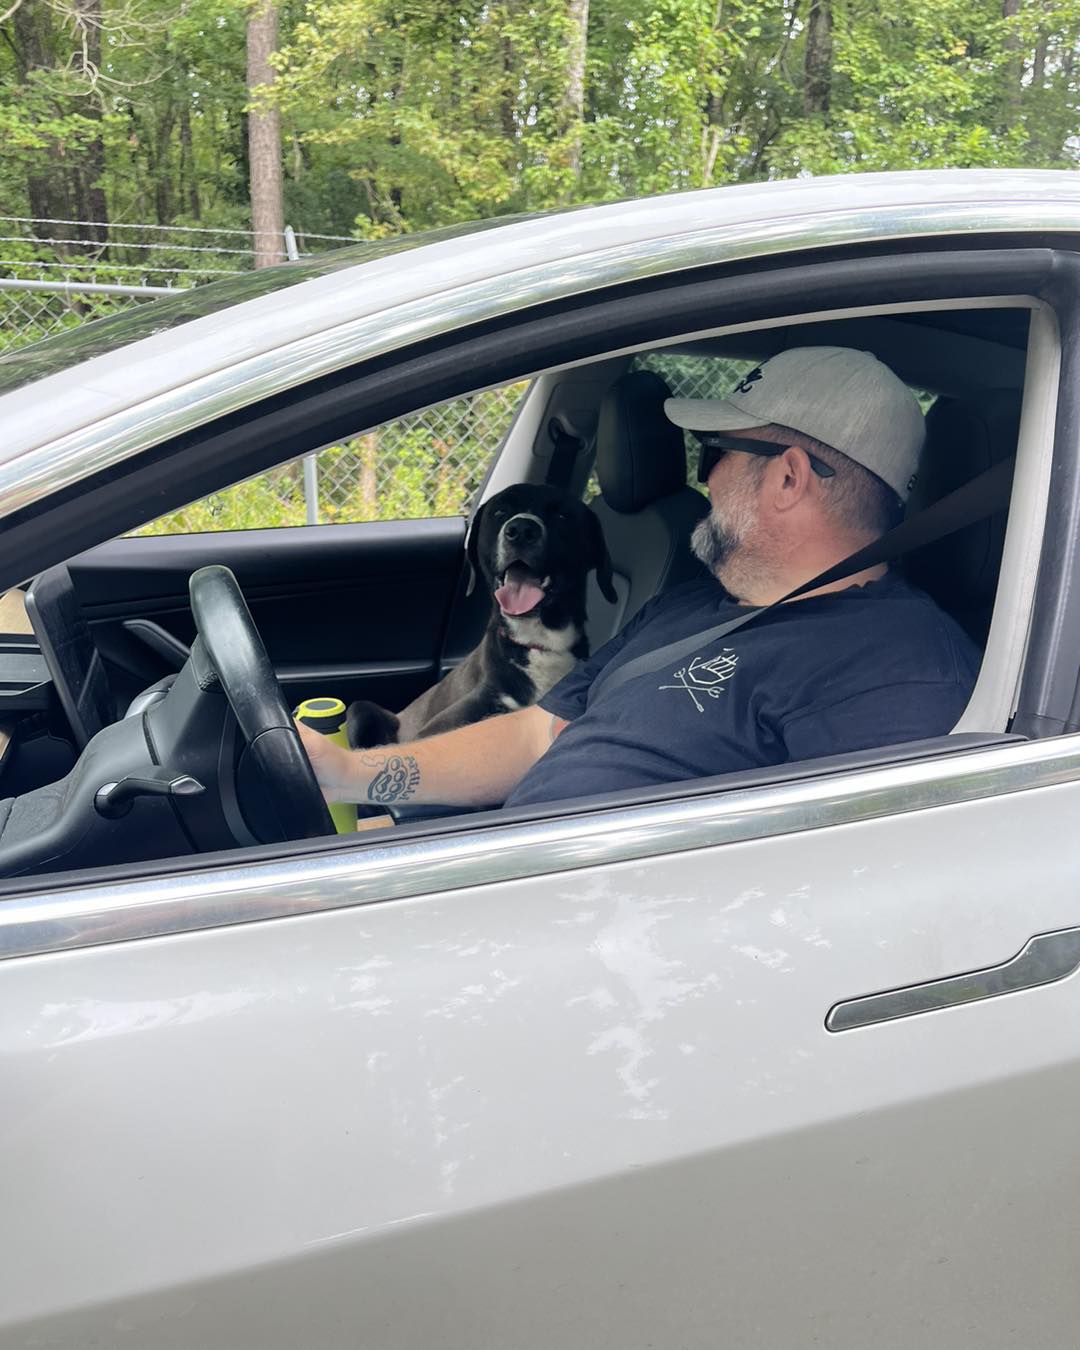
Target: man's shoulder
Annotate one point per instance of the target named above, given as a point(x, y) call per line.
point(905, 624)
point(703, 593)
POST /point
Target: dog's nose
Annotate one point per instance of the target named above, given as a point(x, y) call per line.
point(523, 531)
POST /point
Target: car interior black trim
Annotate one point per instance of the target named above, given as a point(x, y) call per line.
point(336, 670)
point(314, 556)
point(161, 642)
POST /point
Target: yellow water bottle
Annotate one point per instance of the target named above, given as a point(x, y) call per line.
point(327, 715)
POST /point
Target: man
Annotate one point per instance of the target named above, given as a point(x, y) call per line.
point(808, 460)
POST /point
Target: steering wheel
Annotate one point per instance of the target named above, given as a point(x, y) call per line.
point(236, 652)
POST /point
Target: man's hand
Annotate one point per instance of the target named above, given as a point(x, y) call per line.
point(332, 764)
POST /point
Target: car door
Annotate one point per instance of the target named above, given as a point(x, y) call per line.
point(600, 1105)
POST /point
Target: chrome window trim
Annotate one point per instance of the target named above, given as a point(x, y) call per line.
point(239, 892)
point(39, 471)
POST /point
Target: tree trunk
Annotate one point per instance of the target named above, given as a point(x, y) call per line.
point(574, 98)
point(187, 163)
point(1038, 67)
point(90, 176)
point(508, 102)
point(264, 139)
point(48, 185)
point(1013, 66)
point(818, 65)
point(158, 147)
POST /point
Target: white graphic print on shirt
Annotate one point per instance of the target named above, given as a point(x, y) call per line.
point(705, 677)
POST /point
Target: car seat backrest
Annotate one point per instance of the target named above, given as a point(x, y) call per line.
point(78, 674)
point(964, 437)
point(645, 507)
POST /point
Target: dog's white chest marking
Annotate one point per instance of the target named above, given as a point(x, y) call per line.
point(546, 669)
point(549, 657)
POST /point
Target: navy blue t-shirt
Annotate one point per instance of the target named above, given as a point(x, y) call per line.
point(867, 666)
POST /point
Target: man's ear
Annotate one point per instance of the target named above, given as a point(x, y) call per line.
point(472, 549)
point(602, 559)
point(797, 476)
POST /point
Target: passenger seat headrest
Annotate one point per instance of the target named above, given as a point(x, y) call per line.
point(640, 455)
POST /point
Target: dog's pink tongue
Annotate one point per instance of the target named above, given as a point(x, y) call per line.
point(519, 592)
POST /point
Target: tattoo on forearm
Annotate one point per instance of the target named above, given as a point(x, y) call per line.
point(396, 777)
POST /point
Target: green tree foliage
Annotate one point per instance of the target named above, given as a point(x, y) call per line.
point(401, 115)
point(405, 114)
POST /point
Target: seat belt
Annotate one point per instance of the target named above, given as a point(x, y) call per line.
point(974, 500)
point(567, 447)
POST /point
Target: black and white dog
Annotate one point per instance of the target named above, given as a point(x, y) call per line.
point(533, 546)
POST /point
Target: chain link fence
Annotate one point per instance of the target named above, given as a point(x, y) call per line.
point(52, 277)
point(33, 310)
point(430, 463)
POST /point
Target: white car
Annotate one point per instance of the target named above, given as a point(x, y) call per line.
point(770, 1059)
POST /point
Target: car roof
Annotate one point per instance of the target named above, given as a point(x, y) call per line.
point(206, 360)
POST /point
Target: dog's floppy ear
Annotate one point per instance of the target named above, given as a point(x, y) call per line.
point(601, 559)
point(472, 550)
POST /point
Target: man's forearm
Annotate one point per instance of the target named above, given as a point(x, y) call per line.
point(477, 765)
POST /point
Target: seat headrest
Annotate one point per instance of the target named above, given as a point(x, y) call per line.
point(964, 438)
point(640, 455)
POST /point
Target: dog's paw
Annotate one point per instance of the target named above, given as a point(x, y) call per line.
point(367, 724)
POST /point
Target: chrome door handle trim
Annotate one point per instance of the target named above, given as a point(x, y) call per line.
point(1045, 959)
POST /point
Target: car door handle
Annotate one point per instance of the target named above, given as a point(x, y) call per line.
point(1046, 958)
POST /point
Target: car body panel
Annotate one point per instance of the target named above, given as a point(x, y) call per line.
point(606, 1099)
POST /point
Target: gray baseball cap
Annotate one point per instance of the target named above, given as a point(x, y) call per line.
point(845, 398)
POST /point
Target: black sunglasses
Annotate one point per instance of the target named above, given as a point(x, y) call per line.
point(714, 445)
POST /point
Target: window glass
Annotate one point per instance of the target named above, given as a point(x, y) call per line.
point(427, 464)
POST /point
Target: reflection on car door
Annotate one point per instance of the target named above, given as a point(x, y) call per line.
point(594, 1107)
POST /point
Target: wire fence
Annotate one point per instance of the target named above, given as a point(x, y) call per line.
point(57, 274)
point(427, 464)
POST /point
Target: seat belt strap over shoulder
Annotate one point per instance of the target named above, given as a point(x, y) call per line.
point(567, 447)
point(974, 500)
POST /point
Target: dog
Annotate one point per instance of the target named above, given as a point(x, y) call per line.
point(533, 546)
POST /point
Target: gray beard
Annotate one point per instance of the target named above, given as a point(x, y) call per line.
point(711, 544)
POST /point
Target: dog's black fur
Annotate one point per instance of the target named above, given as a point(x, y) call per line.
point(529, 541)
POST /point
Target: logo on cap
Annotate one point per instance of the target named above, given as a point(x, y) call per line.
point(749, 380)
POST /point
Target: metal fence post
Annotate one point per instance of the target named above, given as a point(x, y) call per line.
point(311, 463)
